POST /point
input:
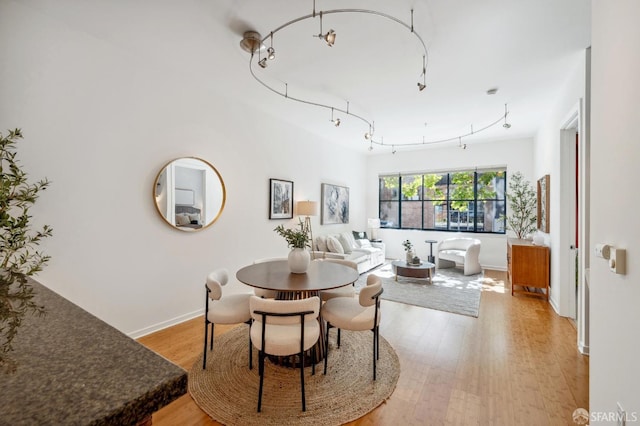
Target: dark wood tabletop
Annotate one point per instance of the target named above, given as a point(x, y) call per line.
point(275, 275)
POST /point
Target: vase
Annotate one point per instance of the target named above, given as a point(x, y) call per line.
point(299, 260)
point(409, 256)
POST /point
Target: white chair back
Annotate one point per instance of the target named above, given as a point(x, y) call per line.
point(284, 306)
point(215, 281)
point(374, 284)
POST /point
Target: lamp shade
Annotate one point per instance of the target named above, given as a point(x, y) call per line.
point(373, 223)
point(307, 208)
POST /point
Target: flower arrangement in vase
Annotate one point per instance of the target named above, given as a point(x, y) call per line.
point(408, 247)
point(298, 240)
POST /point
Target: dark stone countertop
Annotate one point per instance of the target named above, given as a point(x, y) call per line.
point(74, 369)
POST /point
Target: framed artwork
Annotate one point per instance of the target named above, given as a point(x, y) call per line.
point(543, 204)
point(335, 204)
point(280, 199)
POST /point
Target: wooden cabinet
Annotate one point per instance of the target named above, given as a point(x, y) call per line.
point(528, 267)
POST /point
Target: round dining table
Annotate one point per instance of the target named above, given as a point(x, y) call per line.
point(321, 275)
point(275, 275)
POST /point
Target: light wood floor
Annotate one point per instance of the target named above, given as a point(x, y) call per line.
point(517, 363)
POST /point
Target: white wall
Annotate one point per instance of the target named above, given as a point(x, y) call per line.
point(516, 155)
point(548, 154)
point(108, 93)
point(614, 367)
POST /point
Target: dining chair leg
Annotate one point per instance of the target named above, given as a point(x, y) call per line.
point(313, 360)
point(338, 337)
point(326, 352)
point(250, 350)
point(378, 341)
point(261, 372)
point(204, 356)
point(374, 354)
point(304, 407)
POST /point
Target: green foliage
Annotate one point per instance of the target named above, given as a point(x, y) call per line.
point(407, 245)
point(522, 206)
point(18, 257)
point(295, 238)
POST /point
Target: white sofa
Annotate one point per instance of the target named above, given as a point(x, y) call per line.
point(460, 252)
point(367, 255)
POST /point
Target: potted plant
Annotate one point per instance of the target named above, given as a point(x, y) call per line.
point(522, 206)
point(19, 257)
point(408, 247)
point(298, 240)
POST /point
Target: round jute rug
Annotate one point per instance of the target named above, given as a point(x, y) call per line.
point(228, 391)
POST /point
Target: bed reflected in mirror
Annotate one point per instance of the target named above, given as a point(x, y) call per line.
point(189, 194)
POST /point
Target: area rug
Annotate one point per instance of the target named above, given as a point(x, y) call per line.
point(450, 291)
point(228, 391)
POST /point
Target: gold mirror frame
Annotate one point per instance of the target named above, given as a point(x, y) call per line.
point(189, 187)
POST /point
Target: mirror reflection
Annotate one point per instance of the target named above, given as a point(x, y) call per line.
point(189, 193)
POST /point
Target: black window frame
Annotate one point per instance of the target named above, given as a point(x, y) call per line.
point(391, 200)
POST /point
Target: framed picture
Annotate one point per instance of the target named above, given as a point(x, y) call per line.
point(543, 204)
point(335, 204)
point(280, 199)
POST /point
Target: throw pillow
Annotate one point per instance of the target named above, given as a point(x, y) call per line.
point(321, 243)
point(364, 243)
point(334, 245)
point(182, 219)
point(359, 235)
point(344, 242)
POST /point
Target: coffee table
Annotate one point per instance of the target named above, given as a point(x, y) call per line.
point(404, 269)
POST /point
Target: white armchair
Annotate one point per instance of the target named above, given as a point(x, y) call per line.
point(463, 252)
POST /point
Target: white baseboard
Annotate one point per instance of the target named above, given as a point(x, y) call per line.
point(495, 268)
point(165, 324)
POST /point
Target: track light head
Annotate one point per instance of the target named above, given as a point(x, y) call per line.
point(506, 125)
point(263, 62)
point(336, 122)
point(367, 136)
point(330, 38)
point(421, 86)
point(371, 147)
point(271, 53)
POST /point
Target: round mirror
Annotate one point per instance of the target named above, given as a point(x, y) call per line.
point(189, 194)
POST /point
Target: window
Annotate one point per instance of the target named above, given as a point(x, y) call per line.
point(467, 200)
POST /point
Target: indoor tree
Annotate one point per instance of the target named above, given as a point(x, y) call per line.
point(522, 206)
point(19, 257)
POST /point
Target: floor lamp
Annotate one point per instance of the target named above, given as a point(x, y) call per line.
point(374, 225)
point(308, 209)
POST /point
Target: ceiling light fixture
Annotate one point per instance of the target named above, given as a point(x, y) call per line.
point(252, 43)
point(422, 85)
point(335, 122)
point(271, 52)
point(506, 125)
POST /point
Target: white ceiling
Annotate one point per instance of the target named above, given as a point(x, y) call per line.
point(525, 48)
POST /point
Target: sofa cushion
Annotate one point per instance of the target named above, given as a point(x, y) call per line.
point(321, 243)
point(334, 245)
point(453, 255)
point(364, 243)
point(358, 256)
point(347, 241)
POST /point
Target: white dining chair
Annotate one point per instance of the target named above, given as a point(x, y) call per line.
point(219, 309)
point(353, 314)
point(261, 292)
point(283, 328)
point(345, 291)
